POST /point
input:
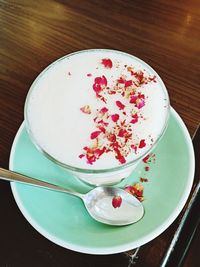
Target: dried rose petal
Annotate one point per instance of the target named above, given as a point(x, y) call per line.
point(138, 100)
point(111, 92)
point(98, 152)
point(89, 75)
point(140, 103)
point(143, 180)
point(145, 159)
point(111, 137)
point(139, 189)
point(152, 78)
point(102, 129)
point(95, 134)
point(133, 99)
point(121, 80)
point(101, 80)
point(128, 83)
point(81, 156)
point(136, 190)
point(107, 63)
point(97, 88)
point(99, 84)
point(103, 110)
point(142, 143)
point(119, 156)
point(115, 117)
point(134, 147)
point(116, 201)
point(86, 109)
point(122, 133)
point(123, 122)
point(120, 105)
point(134, 118)
point(139, 193)
point(130, 189)
point(139, 75)
point(146, 168)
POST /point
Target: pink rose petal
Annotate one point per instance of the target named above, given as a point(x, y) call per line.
point(116, 201)
point(107, 63)
point(115, 117)
point(140, 103)
point(95, 134)
point(128, 83)
point(133, 99)
point(120, 105)
point(103, 110)
point(142, 143)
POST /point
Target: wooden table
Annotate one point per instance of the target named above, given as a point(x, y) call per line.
point(163, 33)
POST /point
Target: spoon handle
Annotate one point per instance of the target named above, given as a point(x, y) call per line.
point(16, 177)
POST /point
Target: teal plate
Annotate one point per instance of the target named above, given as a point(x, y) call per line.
point(63, 219)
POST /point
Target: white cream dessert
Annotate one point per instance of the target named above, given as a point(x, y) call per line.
point(97, 109)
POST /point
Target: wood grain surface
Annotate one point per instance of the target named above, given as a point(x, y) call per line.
point(34, 33)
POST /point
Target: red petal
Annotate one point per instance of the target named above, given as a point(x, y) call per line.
point(104, 80)
point(89, 74)
point(139, 75)
point(107, 63)
point(122, 160)
point(139, 193)
point(128, 83)
point(97, 88)
point(102, 129)
point(142, 143)
point(111, 137)
point(147, 168)
point(145, 159)
point(95, 134)
point(140, 103)
point(134, 119)
point(99, 82)
point(120, 105)
point(130, 189)
point(116, 201)
point(115, 117)
point(121, 80)
point(133, 99)
point(119, 156)
point(121, 133)
point(81, 156)
point(134, 148)
point(152, 78)
point(103, 110)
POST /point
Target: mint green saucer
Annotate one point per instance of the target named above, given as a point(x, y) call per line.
point(63, 219)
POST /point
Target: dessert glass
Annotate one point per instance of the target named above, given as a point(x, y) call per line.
point(107, 176)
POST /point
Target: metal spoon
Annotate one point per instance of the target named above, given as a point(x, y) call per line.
point(98, 201)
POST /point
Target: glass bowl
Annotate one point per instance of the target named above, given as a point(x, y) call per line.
point(91, 175)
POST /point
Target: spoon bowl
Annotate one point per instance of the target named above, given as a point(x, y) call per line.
point(99, 204)
point(98, 201)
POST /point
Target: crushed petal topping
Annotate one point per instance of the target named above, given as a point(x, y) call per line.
point(114, 131)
